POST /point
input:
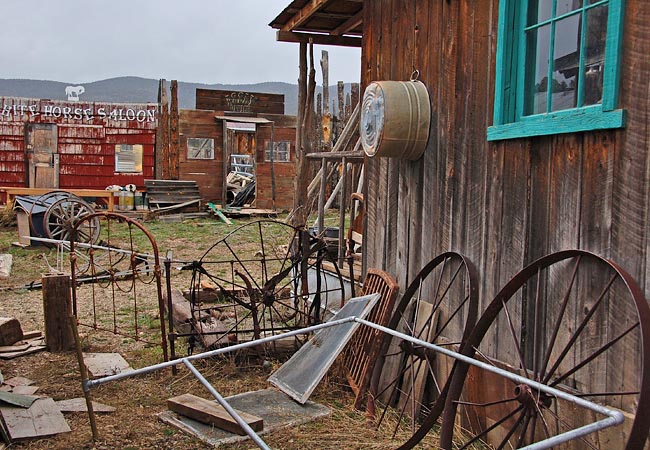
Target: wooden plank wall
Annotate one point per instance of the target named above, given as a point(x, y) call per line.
point(87, 135)
point(283, 172)
point(208, 173)
point(503, 204)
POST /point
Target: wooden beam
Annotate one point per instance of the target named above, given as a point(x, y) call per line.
point(212, 413)
point(304, 14)
point(163, 126)
point(318, 39)
point(348, 25)
point(174, 137)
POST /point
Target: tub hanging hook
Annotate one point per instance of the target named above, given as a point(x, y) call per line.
point(415, 75)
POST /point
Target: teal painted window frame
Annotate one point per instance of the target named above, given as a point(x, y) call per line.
point(509, 121)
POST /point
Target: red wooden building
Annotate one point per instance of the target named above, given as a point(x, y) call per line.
point(82, 145)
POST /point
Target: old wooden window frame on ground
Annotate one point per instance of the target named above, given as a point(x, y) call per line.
point(513, 62)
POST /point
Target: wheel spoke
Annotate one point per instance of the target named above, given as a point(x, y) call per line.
point(495, 425)
point(579, 330)
point(593, 356)
point(515, 339)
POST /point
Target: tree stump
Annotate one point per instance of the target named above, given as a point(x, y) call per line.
point(57, 308)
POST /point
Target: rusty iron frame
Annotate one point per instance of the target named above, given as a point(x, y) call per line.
point(109, 274)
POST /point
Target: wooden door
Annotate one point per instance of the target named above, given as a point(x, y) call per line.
point(41, 155)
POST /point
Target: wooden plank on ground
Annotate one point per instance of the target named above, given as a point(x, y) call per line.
point(211, 413)
point(41, 419)
point(30, 350)
point(79, 405)
point(105, 364)
point(25, 390)
point(18, 381)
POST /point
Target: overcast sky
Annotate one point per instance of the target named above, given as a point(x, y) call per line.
point(207, 41)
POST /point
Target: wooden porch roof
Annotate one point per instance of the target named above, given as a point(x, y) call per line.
point(326, 22)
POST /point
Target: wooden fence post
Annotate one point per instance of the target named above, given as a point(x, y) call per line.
point(57, 308)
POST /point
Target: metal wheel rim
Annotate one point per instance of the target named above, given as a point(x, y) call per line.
point(42, 201)
point(272, 304)
point(463, 274)
point(529, 415)
point(62, 217)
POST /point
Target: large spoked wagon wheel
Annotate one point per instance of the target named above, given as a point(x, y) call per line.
point(440, 307)
point(38, 208)
point(249, 285)
point(570, 320)
point(62, 216)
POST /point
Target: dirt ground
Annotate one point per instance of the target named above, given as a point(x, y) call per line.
point(135, 425)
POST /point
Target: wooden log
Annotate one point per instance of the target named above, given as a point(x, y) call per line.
point(211, 413)
point(174, 137)
point(10, 331)
point(160, 151)
point(57, 308)
point(340, 87)
point(163, 127)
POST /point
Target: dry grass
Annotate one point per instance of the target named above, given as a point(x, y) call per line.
point(138, 400)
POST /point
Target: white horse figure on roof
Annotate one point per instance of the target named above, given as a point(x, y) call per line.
point(73, 92)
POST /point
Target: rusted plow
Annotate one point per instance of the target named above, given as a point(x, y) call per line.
point(259, 281)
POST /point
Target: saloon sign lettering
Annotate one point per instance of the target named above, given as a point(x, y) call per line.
point(85, 114)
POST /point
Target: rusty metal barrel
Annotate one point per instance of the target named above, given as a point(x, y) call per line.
point(395, 118)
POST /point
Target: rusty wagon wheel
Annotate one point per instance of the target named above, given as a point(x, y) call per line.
point(571, 320)
point(248, 285)
point(62, 216)
point(440, 307)
point(38, 208)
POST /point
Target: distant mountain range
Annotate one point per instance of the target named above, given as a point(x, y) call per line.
point(140, 90)
point(145, 90)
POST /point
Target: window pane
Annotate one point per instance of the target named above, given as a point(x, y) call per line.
point(595, 54)
point(128, 158)
point(539, 11)
point(566, 60)
point(281, 151)
point(200, 148)
point(565, 6)
point(538, 42)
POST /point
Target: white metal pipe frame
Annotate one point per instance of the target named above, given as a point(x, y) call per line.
point(612, 417)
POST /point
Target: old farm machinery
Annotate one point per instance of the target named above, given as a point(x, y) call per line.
point(263, 278)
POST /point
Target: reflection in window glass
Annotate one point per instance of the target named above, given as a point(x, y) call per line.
point(565, 6)
point(538, 44)
point(539, 11)
point(281, 152)
point(595, 54)
point(128, 158)
point(200, 148)
point(566, 62)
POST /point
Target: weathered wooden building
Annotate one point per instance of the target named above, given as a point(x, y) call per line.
point(82, 145)
point(230, 131)
point(516, 166)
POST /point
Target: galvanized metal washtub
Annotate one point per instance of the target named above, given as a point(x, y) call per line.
point(395, 119)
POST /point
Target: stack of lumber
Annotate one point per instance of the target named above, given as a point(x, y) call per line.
point(172, 194)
